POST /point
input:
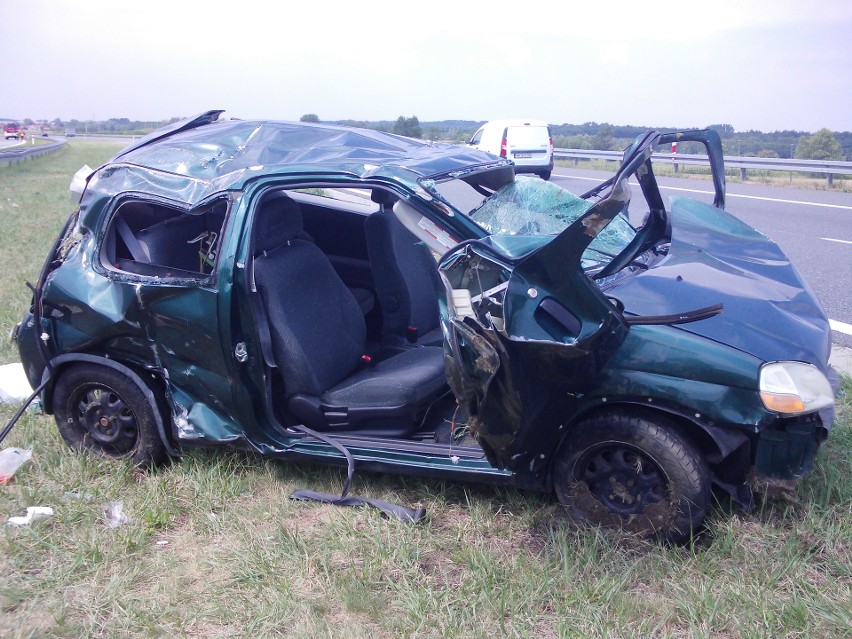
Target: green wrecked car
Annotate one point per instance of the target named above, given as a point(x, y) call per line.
point(353, 297)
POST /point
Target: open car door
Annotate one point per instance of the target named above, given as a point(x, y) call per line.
point(528, 332)
point(525, 336)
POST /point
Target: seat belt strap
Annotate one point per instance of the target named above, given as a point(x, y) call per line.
point(409, 515)
point(264, 335)
point(137, 251)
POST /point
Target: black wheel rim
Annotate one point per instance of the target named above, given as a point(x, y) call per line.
point(105, 419)
point(623, 478)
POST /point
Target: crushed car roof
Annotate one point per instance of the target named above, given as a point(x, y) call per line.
point(221, 150)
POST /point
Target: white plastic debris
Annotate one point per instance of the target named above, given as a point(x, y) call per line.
point(11, 459)
point(115, 515)
point(162, 543)
point(14, 386)
point(34, 513)
point(78, 182)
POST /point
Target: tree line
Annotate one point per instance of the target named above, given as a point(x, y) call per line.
point(822, 145)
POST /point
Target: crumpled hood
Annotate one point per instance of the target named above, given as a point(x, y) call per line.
point(769, 310)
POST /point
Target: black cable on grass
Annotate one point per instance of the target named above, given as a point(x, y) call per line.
point(27, 402)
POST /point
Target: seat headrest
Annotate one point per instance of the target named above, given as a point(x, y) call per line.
point(384, 198)
point(279, 220)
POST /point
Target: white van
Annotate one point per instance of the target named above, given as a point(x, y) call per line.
point(527, 143)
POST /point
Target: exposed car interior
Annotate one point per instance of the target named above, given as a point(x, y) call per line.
point(350, 299)
point(154, 239)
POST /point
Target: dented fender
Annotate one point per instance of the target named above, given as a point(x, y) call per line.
point(58, 363)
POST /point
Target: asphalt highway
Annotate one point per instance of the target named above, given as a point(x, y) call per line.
point(814, 229)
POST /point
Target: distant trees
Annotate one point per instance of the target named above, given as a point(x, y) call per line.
point(592, 135)
point(604, 137)
point(724, 130)
point(822, 145)
point(447, 134)
point(409, 127)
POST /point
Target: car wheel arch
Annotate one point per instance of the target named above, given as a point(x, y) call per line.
point(697, 433)
point(155, 395)
point(634, 471)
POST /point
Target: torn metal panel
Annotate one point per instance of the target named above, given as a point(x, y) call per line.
point(550, 327)
point(196, 422)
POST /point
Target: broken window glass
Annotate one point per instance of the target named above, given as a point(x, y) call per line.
point(531, 206)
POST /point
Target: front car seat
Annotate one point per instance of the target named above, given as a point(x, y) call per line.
point(407, 282)
point(318, 339)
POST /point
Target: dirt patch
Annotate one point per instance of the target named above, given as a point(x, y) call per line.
point(585, 508)
point(440, 571)
point(771, 488)
point(310, 518)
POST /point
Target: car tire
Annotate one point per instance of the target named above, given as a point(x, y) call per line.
point(635, 473)
point(103, 410)
point(544, 175)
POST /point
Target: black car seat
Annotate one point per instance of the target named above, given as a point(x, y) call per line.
point(318, 339)
point(406, 278)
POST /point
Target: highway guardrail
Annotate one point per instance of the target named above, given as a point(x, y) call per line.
point(829, 167)
point(17, 154)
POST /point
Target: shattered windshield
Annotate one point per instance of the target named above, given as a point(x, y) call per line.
point(530, 206)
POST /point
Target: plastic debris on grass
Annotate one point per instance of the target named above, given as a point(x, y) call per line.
point(14, 386)
point(115, 515)
point(11, 459)
point(34, 513)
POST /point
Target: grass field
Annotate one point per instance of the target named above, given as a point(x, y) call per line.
point(213, 547)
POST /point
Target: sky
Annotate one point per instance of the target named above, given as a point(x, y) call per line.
point(760, 64)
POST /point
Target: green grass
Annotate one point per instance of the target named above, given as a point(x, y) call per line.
point(34, 204)
point(242, 560)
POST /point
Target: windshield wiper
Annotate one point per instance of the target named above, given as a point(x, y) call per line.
point(676, 318)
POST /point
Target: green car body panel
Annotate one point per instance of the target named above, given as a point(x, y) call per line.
point(194, 340)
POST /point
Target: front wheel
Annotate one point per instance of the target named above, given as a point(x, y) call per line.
point(636, 473)
point(103, 410)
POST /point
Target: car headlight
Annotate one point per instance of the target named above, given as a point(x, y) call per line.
point(794, 388)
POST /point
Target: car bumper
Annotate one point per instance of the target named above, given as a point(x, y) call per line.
point(532, 167)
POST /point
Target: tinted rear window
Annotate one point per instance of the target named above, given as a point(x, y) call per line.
point(523, 135)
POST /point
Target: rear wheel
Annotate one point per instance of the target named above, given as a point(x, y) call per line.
point(634, 473)
point(544, 175)
point(103, 410)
